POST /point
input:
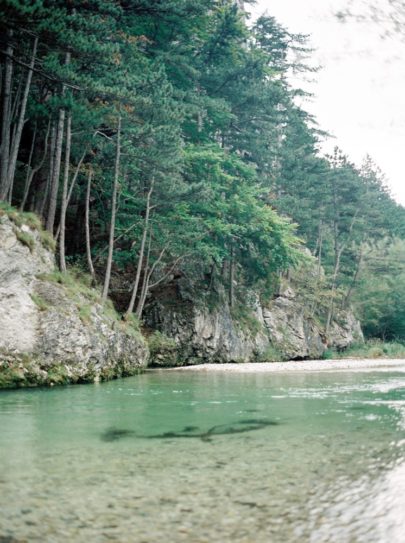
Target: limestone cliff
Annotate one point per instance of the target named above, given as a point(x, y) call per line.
point(52, 328)
point(282, 329)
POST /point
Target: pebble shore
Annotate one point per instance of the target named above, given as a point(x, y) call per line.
point(302, 366)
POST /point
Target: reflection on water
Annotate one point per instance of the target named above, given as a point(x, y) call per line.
point(206, 457)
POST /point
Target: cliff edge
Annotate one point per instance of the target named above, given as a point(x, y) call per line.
point(53, 328)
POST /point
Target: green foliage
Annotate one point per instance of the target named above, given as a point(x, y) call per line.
point(271, 354)
point(244, 316)
point(28, 372)
point(48, 240)
point(162, 348)
point(19, 218)
point(25, 238)
point(370, 349)
point(77, 284)
point(211, 131)
point(380, 294)
point(39, 302)
point(85, 313)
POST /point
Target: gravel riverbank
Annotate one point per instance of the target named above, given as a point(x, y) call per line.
point(302, 366)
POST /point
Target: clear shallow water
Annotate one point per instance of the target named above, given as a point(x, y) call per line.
point(206, 457)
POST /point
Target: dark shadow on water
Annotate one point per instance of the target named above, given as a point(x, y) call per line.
point(239, 427)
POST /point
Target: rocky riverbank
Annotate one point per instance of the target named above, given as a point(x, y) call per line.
point(55, 330)
point(284, 328)
point(304, 366)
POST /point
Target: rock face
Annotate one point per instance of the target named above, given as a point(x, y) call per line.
point(203, 335)
point(48, 332)
point(290, 329)
point(57, 332)
point(282, 329)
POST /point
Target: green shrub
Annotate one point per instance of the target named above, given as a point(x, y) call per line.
point(85, 313)
point(131, 323)
point(19, 218)
point(372, 349)
point(271, 354)
point(11, 377)
point(160, 343)
point(39, 302)
point(244, 316)
point(329, 354)
point(48, 240)
point(25, 238)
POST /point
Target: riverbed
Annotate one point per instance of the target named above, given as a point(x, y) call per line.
point(208, 456)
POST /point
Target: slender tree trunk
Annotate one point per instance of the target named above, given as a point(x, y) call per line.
point(141, 254)
point(320, 247)
point(87, 226)
point(32, 171)
point(15, 145)
point(338, 249)
point(55, 173)
point(15, 102)
point(232, 278)
point(29, 170)
point(71, 187)
point(62, 259)
point(5, 118)
point(107, 277)
point(145, 281)
point(354, 279)
point(333, 290)
point(54, 184)
point(146, 286)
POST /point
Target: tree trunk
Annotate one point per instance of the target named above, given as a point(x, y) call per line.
point(62, 259)
point(320, 247)
point(141, 254)
point(32, 171)
point(113, 213)
point(145, 282)
point(71, 187)
point(148, 286)
point(5, 117)
point(28, 177)
point(87, 226)
point(15, 145)
point(333, 290)
point(55, 173)
point(231, 278)
point(54, 182)
point(346, 300)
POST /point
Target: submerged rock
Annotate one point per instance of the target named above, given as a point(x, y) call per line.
point(237, 427)
point(55, 331)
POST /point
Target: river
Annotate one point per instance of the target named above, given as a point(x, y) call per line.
point(206, 457)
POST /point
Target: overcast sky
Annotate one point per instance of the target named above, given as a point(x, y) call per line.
point(360, 89)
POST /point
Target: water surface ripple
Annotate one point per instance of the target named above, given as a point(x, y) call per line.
point(206, 457)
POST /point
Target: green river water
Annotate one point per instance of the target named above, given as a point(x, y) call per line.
point(206, 457)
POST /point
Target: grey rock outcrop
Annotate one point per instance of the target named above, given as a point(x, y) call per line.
point(291, 330)
point(49, 332)
point(284, 328)
point(204, 335)
point(345, 330)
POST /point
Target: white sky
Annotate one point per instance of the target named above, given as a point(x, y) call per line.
point(359, 93)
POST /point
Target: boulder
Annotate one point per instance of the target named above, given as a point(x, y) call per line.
point(50, 330)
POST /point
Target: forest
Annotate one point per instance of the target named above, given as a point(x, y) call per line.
point(159, 139)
